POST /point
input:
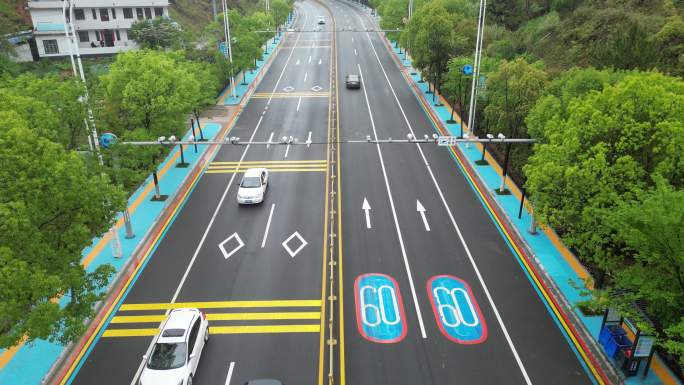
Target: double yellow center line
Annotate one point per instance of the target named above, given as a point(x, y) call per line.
point(272, 166)
point(215, 317)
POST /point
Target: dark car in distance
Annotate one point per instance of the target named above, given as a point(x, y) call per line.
point(352, 81)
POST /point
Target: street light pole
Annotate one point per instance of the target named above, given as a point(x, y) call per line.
point(226, 31)
point(476, 70)
point(69, 31)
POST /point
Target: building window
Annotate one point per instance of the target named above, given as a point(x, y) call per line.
point(50, 46)
point(104, 14)
point(118, 36)
point(128, 13)
point(148, 13)
point(83, 36)
point(94, 14)
point(113, 13)
point(79, 14)
point(139, 13)
point(158, 12)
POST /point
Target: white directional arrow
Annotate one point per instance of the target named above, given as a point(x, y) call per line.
point(366, 207)
point(222, 245)
point(421, 210)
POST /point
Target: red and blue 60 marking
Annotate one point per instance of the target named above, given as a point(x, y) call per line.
point(379, 308)
point(456, 311)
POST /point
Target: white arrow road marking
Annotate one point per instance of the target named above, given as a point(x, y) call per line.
point(421, 210)
point(230, 372)
point(308, 140)
point(309, 58)
point(320, 61)
point(288, 249)
point(356, 53)
point(297, 63)
point(227, 254)
point(268, 226)
point(366, 207)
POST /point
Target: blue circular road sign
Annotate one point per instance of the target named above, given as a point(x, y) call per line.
point(107, 139)
point(467, 69)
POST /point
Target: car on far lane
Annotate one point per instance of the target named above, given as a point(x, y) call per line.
point(321, 19)
point(252, 187)
point(352, 81)
point(177, 349)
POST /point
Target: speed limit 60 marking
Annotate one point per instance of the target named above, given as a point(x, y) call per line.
point(379, 308)
point(456, 311)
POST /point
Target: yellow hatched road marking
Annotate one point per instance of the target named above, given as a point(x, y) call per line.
point(252, 329)
point(270, 166)
point(273, 162)
point(230, 171)
point(222, 304)
point(223, 317)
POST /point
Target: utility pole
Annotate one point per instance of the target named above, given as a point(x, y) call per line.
point(213, 9)
point(476, 70)
point(226, 31)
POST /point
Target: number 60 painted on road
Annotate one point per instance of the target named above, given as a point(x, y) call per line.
point(379, 308)
point(456, 312)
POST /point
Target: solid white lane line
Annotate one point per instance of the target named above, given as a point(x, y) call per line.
point(287, 150)
point(269, 140)
point(306, 75)
point(394, 212)
point(309, 58)
point(216, 210)
point(230, 372)
point(356, 53)
point(298, 103)
point(268, 226)
point(320, 61)
point(456, 227)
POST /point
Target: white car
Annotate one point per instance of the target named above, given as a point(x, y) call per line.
point(253, 186)
point(177, 349)
point(321, 19)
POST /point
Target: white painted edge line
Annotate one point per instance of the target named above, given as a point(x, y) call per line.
point(268, 226)
point(394, 213)
point(457, 228)
point(270, 138)
point(216, 210)
point(298, 103)
point(230, 372)
point(306, 75)
point(287, 150)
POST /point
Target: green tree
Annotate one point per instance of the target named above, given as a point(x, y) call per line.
point(602, 152)
point(670, 42)
point(51, 207)
point(151, 90)
point(157, 33)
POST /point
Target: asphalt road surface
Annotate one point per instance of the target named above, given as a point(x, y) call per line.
point(428, 291)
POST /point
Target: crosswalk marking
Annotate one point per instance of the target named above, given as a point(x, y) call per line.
point(221, 304)
point(223, 317)
point(250, 329)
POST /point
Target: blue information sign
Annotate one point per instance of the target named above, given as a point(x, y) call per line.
point(379, 308)
point(107, 139)
point(456, 311)
point(467, 69)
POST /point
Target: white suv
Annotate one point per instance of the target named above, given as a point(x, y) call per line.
point(177, 349)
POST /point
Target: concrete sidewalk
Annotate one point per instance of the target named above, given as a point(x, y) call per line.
point(556, 260)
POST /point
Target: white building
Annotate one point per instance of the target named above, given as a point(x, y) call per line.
point(101, 26)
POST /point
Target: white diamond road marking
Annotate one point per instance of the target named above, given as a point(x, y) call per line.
point(288, 89)
point(240, 245)
point(316, 88)
point(289, 250)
